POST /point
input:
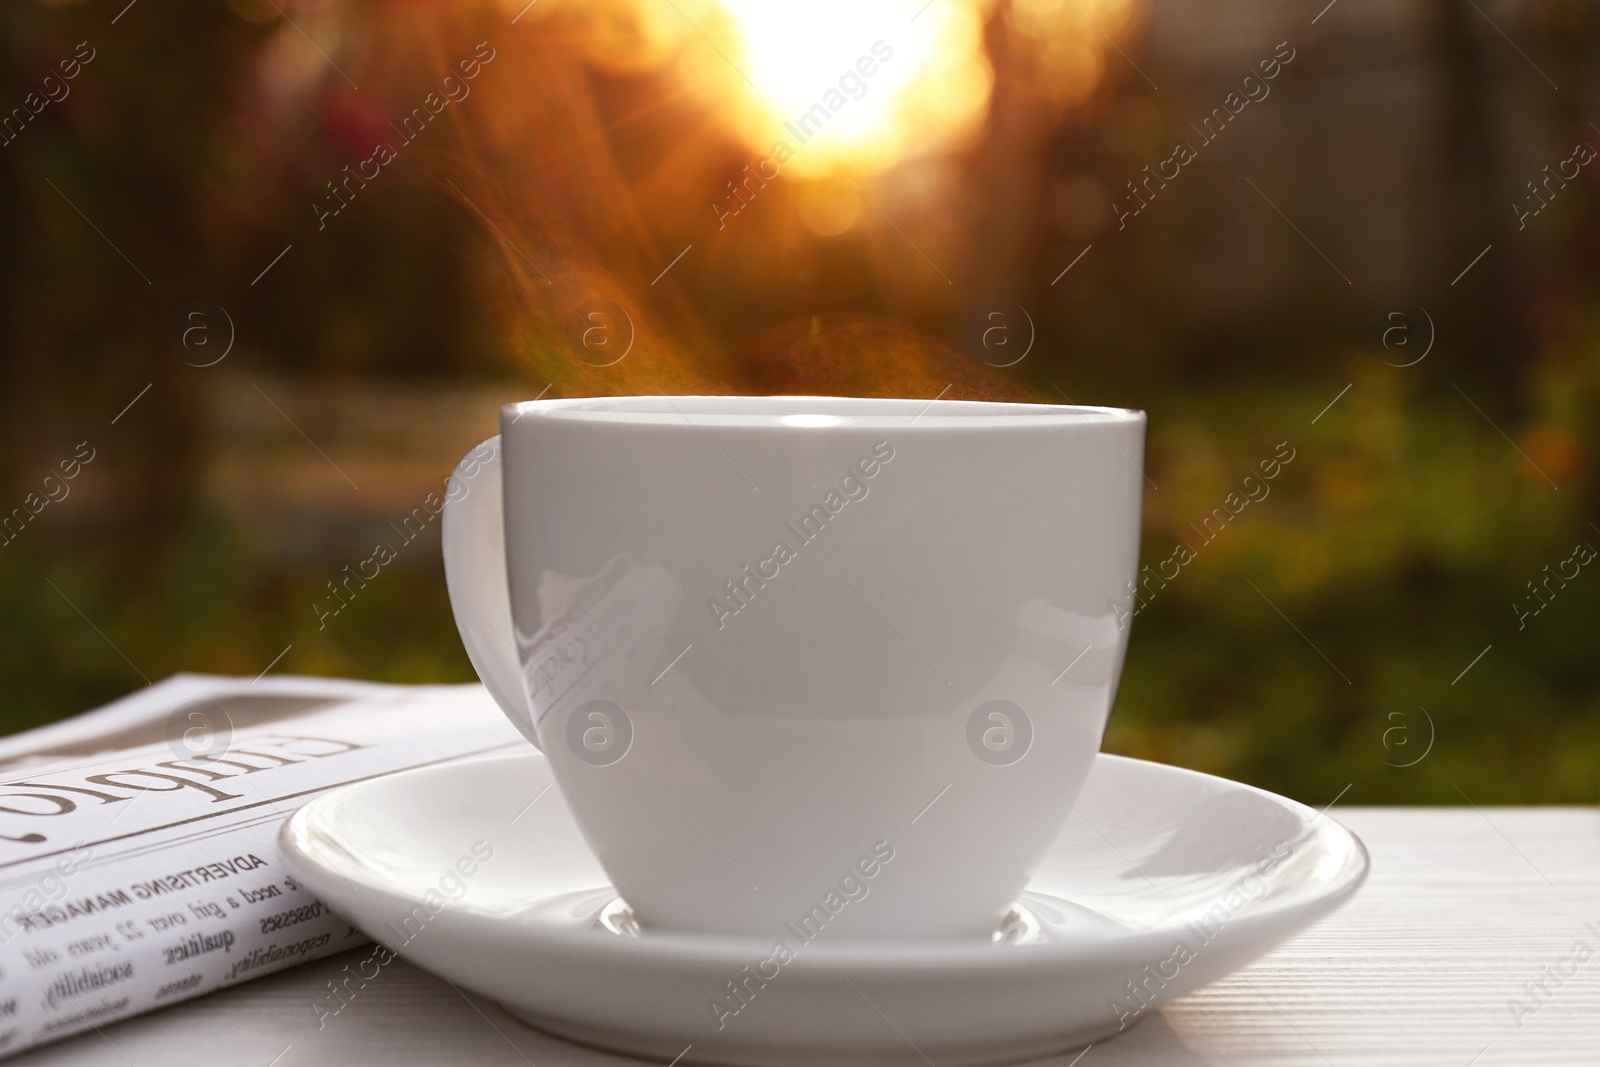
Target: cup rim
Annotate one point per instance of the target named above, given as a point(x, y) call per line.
point(797, 413)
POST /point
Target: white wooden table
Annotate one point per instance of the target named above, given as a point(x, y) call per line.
point(1463, 907)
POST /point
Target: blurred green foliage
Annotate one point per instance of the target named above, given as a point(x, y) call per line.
point(209, 609)
point(1394, 549)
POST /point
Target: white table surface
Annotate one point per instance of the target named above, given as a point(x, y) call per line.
point(1463, 906)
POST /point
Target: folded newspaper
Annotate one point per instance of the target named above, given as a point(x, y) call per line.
point(138, 842)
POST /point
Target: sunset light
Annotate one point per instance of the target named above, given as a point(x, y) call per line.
point(893, 83)
point(836, 88)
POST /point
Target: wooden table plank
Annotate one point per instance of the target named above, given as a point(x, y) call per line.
point(1462, 908)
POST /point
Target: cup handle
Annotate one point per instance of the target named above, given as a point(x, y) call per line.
point(473, 535)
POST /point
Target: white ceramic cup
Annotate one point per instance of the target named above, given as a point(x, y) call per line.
point(806, 666)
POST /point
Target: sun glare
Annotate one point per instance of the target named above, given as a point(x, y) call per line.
point(831, 88)
point(852, 86)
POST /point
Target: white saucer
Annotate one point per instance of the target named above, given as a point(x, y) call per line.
point(1163, 880)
